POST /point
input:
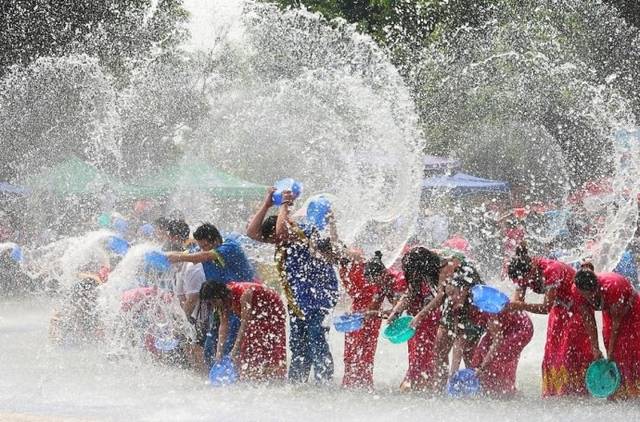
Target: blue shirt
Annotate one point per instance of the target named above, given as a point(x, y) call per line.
point(313, 281)
point(231, 264)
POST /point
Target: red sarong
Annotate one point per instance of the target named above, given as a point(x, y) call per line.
point(499, 376)
point(263, 353)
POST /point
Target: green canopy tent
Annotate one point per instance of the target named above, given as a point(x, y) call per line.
point(71, 177)
point(196, 177)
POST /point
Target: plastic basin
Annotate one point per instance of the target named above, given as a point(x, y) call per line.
point(463, 383)
point(347, 323)
point(602, 378)
point(488, 299)
point(399, 331)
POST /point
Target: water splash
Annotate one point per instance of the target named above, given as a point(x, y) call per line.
point(318, 103)
point(521, 107)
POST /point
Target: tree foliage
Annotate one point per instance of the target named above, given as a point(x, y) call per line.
point(119, 32)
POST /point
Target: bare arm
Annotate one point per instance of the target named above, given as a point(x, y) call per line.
point(589, 321)
point(190, 302)
point(615, 327)
point(195, 258)
point(374, 308)
point(223, 332)
point(617, 312)
point(400, 307)
point(434, 303)
point(254, 228)
point(457, 351)
point(494, 329)
point(518, 295)
point(536, 308)
point(283, 232)
point(245, 316)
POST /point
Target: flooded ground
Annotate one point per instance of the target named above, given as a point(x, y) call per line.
point(39, 382)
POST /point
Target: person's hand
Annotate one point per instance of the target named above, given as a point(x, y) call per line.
point(385, 314)
point(415, 322)
point(288, 197)
point(597, 354)
point(330, 217)
point(610, 355)
point(392, 317)
point(268, 199)
point(513, 306)
point(173, 257)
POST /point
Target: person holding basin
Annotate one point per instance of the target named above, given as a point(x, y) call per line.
point(614, 295)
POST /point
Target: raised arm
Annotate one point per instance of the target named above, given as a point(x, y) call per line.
point(254, 228)
point(536, 308)
point(284, 233)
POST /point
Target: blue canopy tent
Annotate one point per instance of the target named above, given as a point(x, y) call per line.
point(464, 184)
point(440, 164)
point(8, 188)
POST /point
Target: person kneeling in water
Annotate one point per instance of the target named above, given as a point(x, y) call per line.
point(259, 351)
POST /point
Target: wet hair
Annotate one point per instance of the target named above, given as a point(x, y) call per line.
point(521, 264)
point(588, 266)
point(208, 232)
point(178, 228)
point(324, 245)
point(421, 263)
point(213, 291)
point(374, 267)
point(268, 228)
point(586, 280)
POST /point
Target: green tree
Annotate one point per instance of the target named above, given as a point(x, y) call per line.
point(119, 32)
point(629, 9)
point(53, 108)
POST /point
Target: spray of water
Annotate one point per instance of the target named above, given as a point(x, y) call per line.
point(286, 94)
point(526, 109)
point(312, 102)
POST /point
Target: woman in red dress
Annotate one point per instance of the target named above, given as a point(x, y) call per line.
point(496, 357)
point(421, 268)
point(567, 352)
point(614, 295)
point(368, 284)
point(259, 351)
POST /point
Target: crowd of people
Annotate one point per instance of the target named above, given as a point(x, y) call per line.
point(237, 316)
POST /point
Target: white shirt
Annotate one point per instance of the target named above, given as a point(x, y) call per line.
point(193, 278)
point(189, 281)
